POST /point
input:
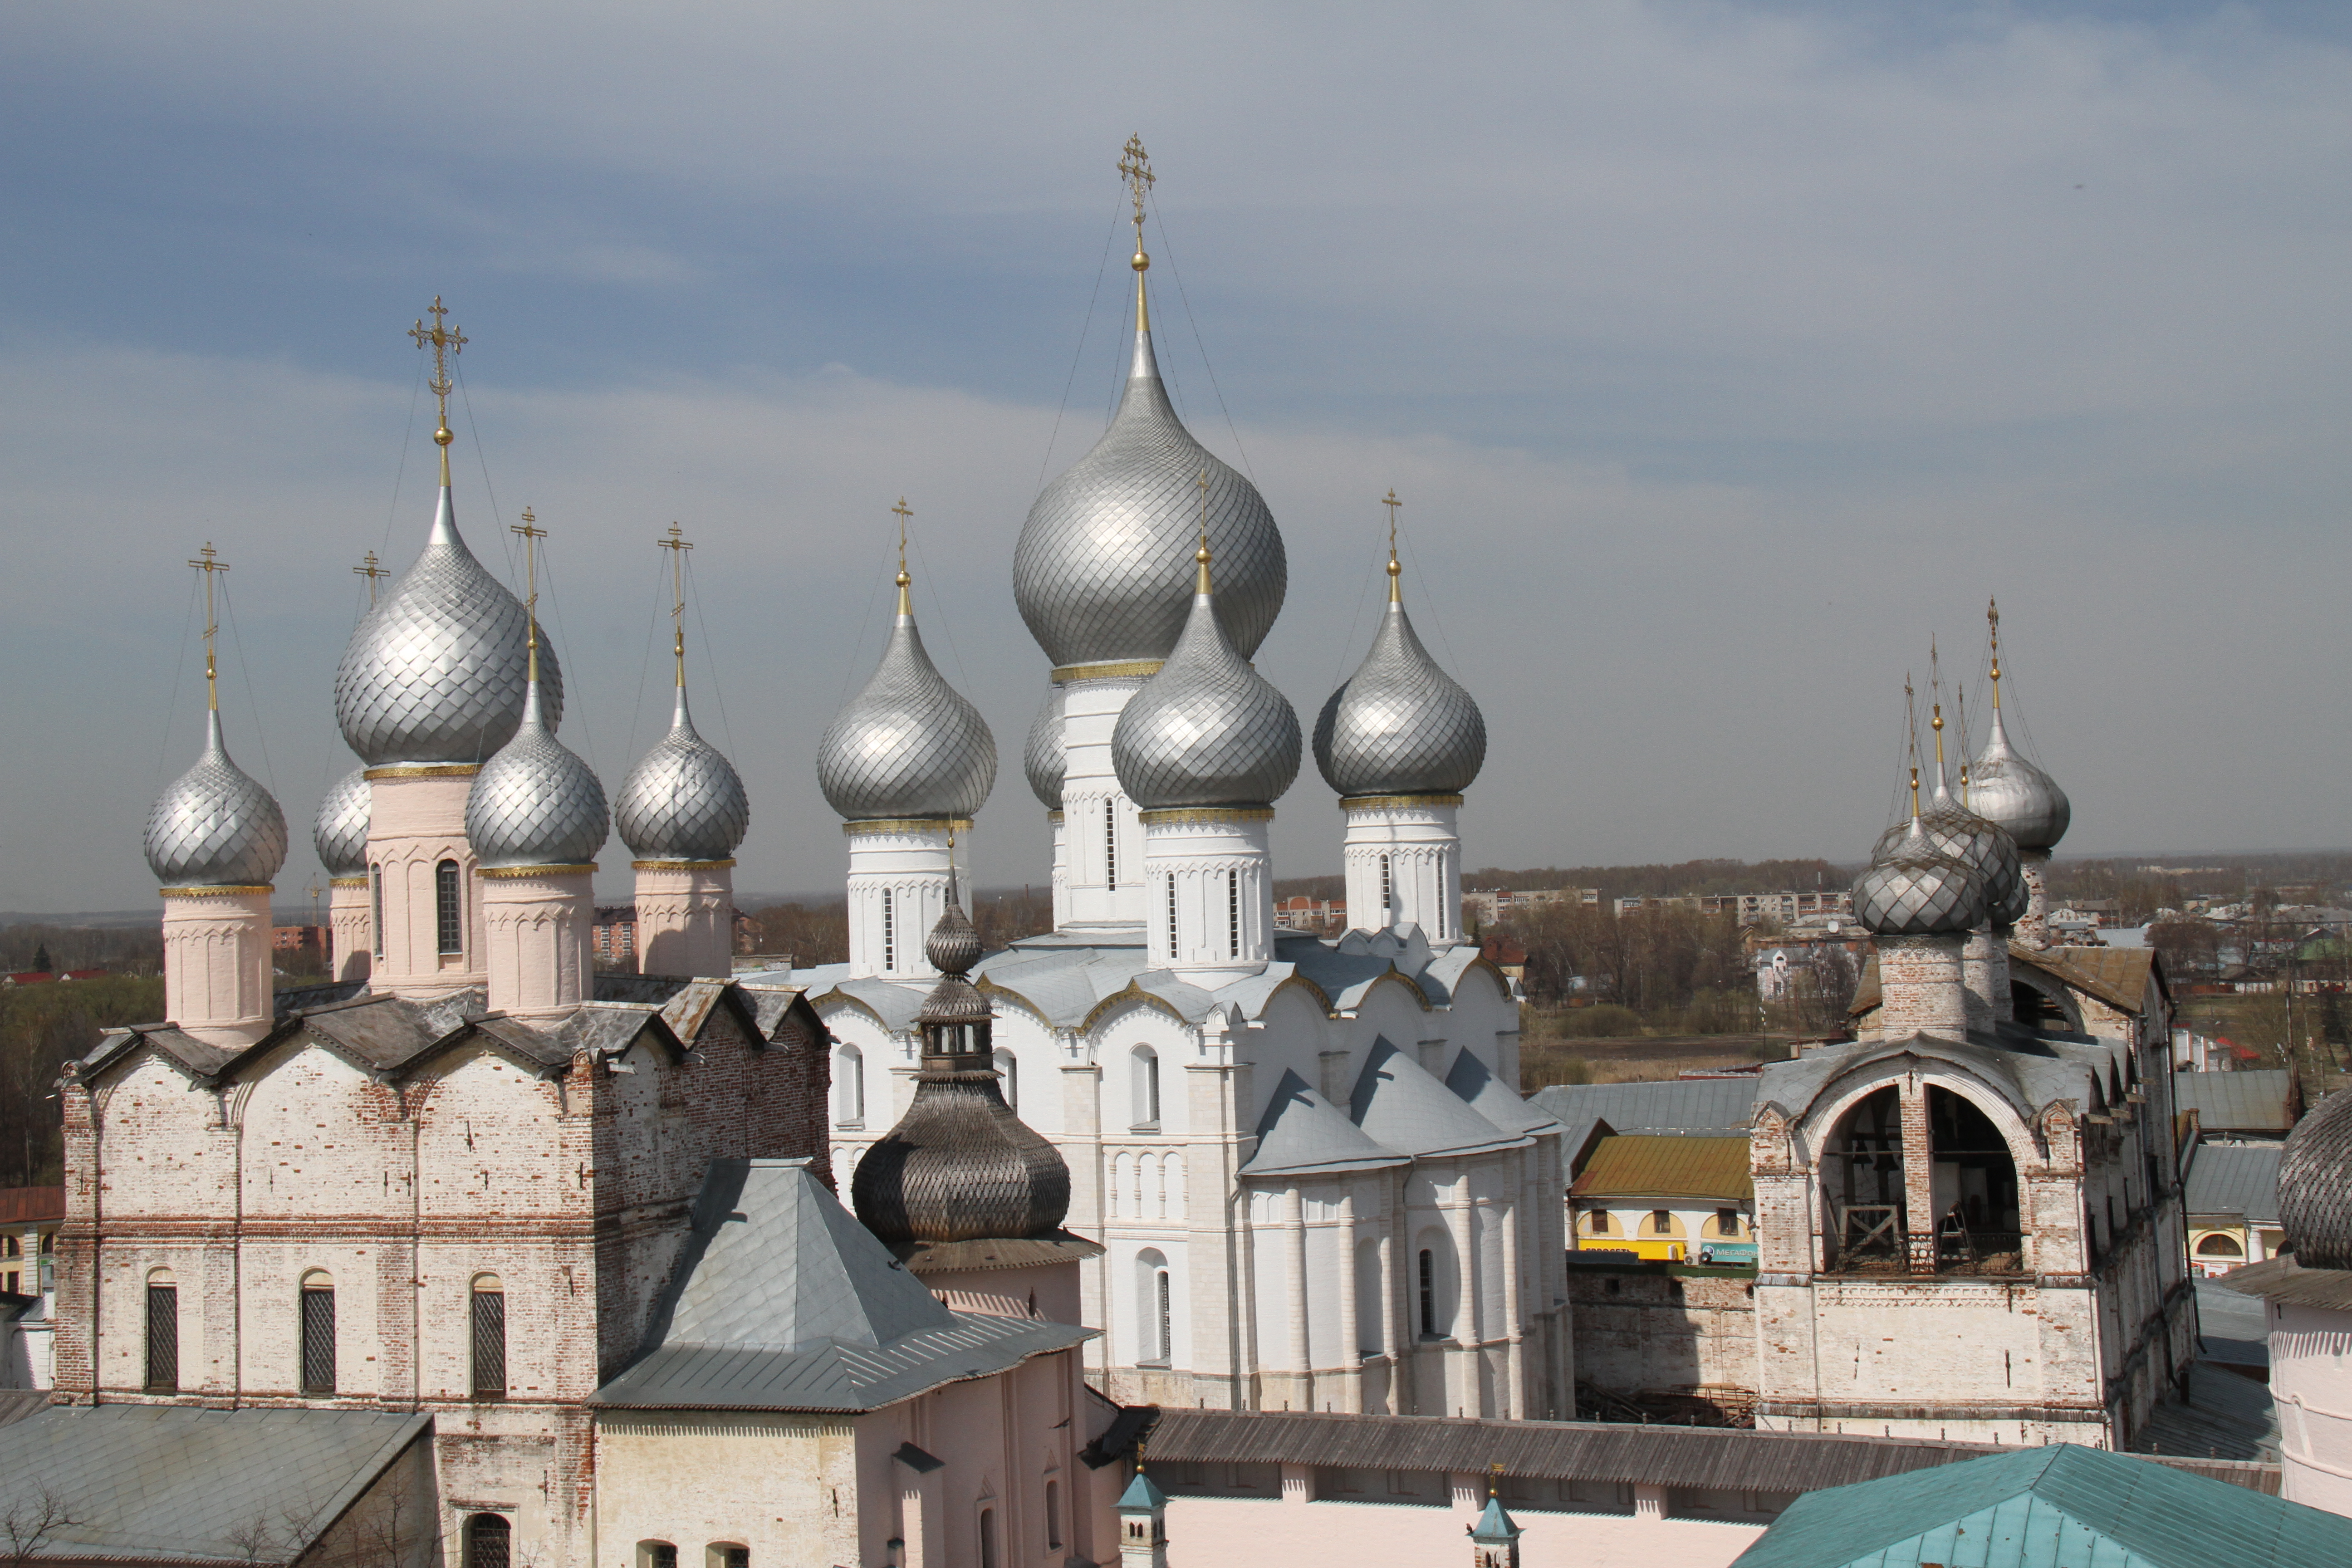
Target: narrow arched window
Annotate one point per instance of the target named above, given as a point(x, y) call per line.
point(1172, 914)
point(1443, 911)
point(1428, 1293)
point(163, 1332)
point(1388, 889)
point(1110, 845)
point(448, 908)
point(1143, 1072)
point(489, 1540)
point(318, 1312)
point(1052, 1515)
point(1008, 1069)
point(849, 1085)
point(889, 932)
point(489, 1315)
point(376, 899)
point(1232, 914)
point(988, 1538)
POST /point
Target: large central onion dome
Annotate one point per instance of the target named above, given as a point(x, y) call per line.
point(339, 834)
point(1103, 559)
point(1047, 759)
point(960, 1165)
point(1400, 725)
point(2003, 788)
point(535, 804)
point(684, 800)
point(1913, 888)
point(2314, 1186)
point(1207, 730)
point(214, 826)
point(1983, 846)
point(434, 673)
point(908, 744)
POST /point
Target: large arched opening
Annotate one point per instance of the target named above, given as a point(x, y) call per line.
point(1943, 1197)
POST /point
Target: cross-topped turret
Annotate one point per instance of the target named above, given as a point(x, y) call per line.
point(209, 562)
point(445, 341)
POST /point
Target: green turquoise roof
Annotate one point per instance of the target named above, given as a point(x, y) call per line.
point(1142, 1493)
point(1496, 1525)
point(2065, 1506)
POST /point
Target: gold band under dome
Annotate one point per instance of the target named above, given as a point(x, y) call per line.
point(504, 873)
point(910, 825)
point(1207, 814)
point(679, 865)
point(427, 771)
point(1375, 802)
point(228, 891)
point(1121, 669)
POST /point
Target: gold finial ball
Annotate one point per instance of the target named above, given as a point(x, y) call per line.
point(442, 437)
point(1202, 555)
point(904, 579)
point(1396, 567)
point(1141, 263)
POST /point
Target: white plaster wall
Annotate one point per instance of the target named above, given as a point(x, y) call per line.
point(908, 862)
point(1422, 845)
point(1213, 1532)
point(2311, 1379)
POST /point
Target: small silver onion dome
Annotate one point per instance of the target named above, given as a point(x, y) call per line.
point(1984, 846)
point(1913, 888)
point(535, 804)
point(908, 744)
point(1401, 725)
point(1106, 553)
point(1207, 730)
point(341, 833)
point(434, 673)
point(214, 826)
point(2314, 1186)
point(684, 800)
point(2003, 788)
point(1044, 759)
point(960, 1165)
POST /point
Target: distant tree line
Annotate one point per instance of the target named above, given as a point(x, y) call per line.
point(41, 1028)
point(816, 931)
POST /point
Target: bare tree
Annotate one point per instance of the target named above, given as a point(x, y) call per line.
point(31, 1522)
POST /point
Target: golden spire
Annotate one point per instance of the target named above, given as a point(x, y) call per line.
point(444, 342)
point(1135, 168)
point(209, 562)
point(1494, 1478)
point(1396, 573)
point(1911, 729)
point(1936, 689)
point(371, 570)
point(1992, 618)
point(905, 600)
point(1202, 555)
point(531, 535)
point(677, 545)
point(1960, 701)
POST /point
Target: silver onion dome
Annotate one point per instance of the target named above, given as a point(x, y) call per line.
point(1044, 759)
point(1207, 730)
point(1913, 888)
point(2314, 1186)
point(2003, 788)
point(214, 826)
point(1984, 846)
point(434, 673)
point(535, 804)
point(908, 744)
point(1401, 725)
point(341, 833)
point(1106, 556)
point(684, 800)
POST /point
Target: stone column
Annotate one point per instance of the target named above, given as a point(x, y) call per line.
point(1920, 981)
point(1461, 1224)
point(216, 972)
point(1302, 1356)
point(1515, 1398)
point(2034, 930)
point(1061, 884)
point(686, 917)
point(1918, 1176)
point(538, 920)
point(1979, 954)
point(416, 824)
point(1351, 1354)
point(2004, 1001)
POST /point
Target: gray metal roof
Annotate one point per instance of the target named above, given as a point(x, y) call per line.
point(2239, 1180)
point(175, 1482)
point(1575, 1450)
point(2283, 1279)
point(1697, 1107)
point(782, 1300)
point(1401, 1107)
point(2258, 1101)
point(1303, 1134)
point(1487, 1095)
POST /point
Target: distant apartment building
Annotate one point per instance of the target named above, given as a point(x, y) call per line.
point(1749, 908)
point(613, 938)
point(1321, 917)
point(1487, 905)
point(297, 938)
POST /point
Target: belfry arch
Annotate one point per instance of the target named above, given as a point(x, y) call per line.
point(1919, 1177)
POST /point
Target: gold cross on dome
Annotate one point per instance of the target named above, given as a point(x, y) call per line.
point(1135, 168)
point(902, 511)
point(677, 544)
point(209, 562)
point(445, 341)
point(371, 570)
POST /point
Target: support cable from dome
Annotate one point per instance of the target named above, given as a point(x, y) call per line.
point(1198, 342)
point(408, 440)
point(940, 608)
point(172, 706)
point(1102, 271)
point(717, 691)
point(245, 672)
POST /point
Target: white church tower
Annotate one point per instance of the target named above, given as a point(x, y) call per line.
point(1400, 742)
point(907, 763)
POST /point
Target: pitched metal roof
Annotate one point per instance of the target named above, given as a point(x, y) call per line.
point(2283, 1279)
point(177, 1483)
point(1303, 1134)
point(2261, 1100)
point(2050, 1507)
point(2238, 1180)
point(1694, 1107)
point(2115, 975)
point(1401, 1107)
point(1477, 1087)
point(1576, 1451)
point(782, 1300)
point(1714, 1169)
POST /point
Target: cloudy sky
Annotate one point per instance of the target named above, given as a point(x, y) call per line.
point(1722, 354)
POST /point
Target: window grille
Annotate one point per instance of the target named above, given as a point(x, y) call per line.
point(1388, 894)
point(1110, 845)
point(1232, 914)
point(658, 1554)
point(1165, 1350)
point(489, 1540)
point(1172, 914)
point(448, 908)
point(319, 1340)
point(1428, 1294)
point(490, 1345)
point(889, 932)
point(375, 884)
point(733, 1557)
point(162, 1339)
